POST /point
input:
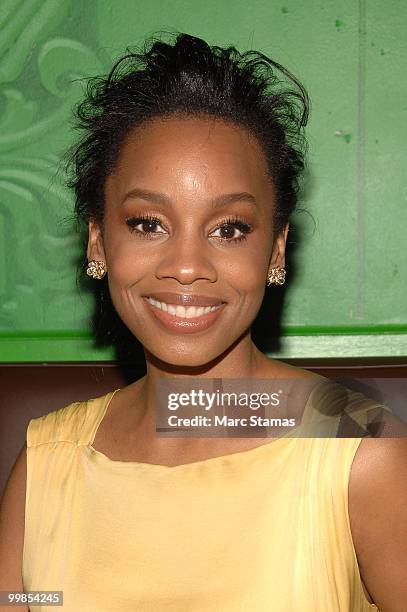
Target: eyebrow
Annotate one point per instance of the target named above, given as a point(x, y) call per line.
point(161, 198)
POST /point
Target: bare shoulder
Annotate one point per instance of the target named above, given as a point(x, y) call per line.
point(12, 519)
point(281, 369)
point(378, 518)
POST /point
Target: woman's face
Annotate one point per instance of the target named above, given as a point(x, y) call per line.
point(208, 236)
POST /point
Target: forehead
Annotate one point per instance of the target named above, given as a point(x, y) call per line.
point(182, 152)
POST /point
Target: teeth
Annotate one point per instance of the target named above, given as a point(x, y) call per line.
point(183, 312)
point(180, 311)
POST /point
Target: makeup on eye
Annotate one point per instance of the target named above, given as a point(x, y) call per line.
point(235, 222)
point(145, 219)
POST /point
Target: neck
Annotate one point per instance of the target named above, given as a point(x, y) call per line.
point(242, 360)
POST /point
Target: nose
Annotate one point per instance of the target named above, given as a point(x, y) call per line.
point(186, 259)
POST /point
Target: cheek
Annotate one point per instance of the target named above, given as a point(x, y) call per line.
point(126, 264)
point(121, 270)
point(248, 268)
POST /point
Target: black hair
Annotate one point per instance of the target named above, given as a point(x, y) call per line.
point(191, 78)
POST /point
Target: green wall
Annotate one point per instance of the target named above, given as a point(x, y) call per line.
point(348, 294)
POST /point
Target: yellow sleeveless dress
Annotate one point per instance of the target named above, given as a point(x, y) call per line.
point(266, 529)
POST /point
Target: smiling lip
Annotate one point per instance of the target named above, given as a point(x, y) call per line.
point(184, 299)
point(184, 325)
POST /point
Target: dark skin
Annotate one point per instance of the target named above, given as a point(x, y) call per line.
point(193, 162)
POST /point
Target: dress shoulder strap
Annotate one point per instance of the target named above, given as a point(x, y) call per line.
point(334, 410)
point(76, 422)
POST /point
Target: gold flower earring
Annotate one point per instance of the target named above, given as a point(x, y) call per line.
point(96, 269)
point(276, 276)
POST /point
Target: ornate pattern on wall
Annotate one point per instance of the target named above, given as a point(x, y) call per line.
point(42, 78)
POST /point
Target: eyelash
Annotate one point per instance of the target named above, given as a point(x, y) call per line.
point(244, 227)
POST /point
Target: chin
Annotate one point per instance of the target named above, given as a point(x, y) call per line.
point(185, 360)
point(181, 357)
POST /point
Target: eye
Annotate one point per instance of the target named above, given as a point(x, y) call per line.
point(144, 225)
point(233, 230)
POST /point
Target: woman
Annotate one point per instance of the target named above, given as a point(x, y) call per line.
point(187, 175)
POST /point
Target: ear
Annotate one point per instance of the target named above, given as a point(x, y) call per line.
point(278, 252)
point(95, 248)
